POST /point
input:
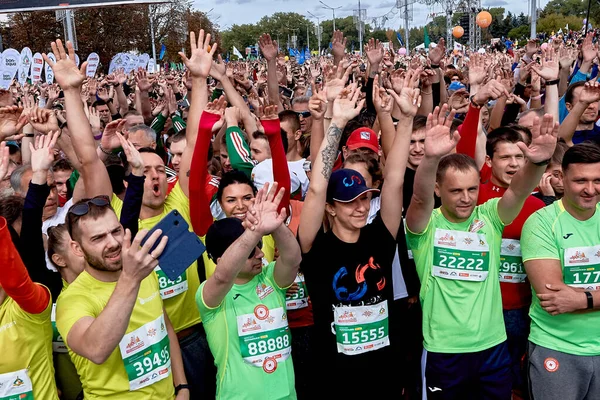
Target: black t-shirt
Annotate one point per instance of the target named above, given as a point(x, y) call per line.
point(409, 183)
point(331, 268)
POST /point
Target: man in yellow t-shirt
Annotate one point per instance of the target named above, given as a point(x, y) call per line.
point(112, 316)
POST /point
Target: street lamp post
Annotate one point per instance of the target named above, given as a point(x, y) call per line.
point(332, 9)
point(318, 31)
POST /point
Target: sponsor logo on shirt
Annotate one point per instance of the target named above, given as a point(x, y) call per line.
point(447, 240)
point(7, 326)
point(347, 316)
point(147, 299)
point(151, 332)
point(578, 257)
point(134, 343)
point(263, 290)
point(250, 325)
point(568, 235)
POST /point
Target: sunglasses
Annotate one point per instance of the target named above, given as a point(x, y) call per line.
point(83, 207)
point(303, 114)
point(254, 250)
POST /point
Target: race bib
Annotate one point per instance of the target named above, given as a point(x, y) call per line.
point(265, 338)
point(582, 267)
point(16, 386)
point(300, 298)
point(511, 263)
point(461, 256)
point(361, 329)
point(58, 344)
point(146, 354)
point(169, 288)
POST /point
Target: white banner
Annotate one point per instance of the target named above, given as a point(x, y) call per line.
point(118, 61)
point(48, 70)
point(93, 60)
point(25, 67)
point(36, 68)
point(133, 62)
point(143, 61)
point(152, 66)
point(11, 60)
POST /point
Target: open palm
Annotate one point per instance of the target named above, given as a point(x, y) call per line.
point(65, 70)
point(264, 217)
point(544, 135)
point(11, 121)
point(439, 141)
point(200, 62)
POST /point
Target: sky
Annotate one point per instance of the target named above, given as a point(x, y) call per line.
point(229, 12)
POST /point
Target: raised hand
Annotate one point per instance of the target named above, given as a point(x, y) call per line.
point(338, 44)
point(138, 262)
point(94, 118)
point(142, 81)
point(110, 139)
point(103, 94)
point(588, 49)
point(318, 104)
point(549, 68)
point(437, 53)
point(53, 93)
point(269, 113)
point(268, 47)
point(544, 135)
point(43, 120)
point(374, 51)
point(459, 101)
point(42, 154)
point(11, 121)
point(477, 71)
point(439, 140)
point(409, 99)
point(382, 101)
point(397, 80)
point(336, 80)
point(200, 62)
point(491, 90)
point(590, 93)
point(133, 156)
point(264, 217)
point(218, 70)
point(217, 106)
point(66, 73)
point(531, 47)
point(346, 105)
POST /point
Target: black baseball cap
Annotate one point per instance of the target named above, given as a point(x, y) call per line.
point(221, 235)
point(346, 185)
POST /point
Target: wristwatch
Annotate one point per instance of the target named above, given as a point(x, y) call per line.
point(590, 300)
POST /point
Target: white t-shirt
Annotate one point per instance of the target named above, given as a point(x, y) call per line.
point(400, 291)
point(58, 218)
point(297, 168)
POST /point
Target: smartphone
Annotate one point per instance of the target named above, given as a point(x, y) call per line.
point(183, 247)
point(287, 92)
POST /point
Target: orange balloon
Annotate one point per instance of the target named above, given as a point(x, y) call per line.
point(458, 31)
point(484, 19)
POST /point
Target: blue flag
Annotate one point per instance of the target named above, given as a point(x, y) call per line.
point(301, 58)
point(307, 53)
point(399, 37)
point(163, 50)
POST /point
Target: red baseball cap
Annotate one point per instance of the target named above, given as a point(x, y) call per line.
point(363, 138)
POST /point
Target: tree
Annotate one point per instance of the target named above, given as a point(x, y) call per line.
point(520, 33)
point(553, 22)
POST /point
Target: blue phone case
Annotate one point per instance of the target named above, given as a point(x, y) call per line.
point(183, 247)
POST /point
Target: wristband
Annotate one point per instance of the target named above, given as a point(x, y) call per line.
point(473, 102)
point(590, 300)
point(110, 100)
point(29, 135)
point(181, 386)
point(542, 163)
point(102, 149)
point(61, 125)
point(554, 82)
point(434, 66)
point(537, 97)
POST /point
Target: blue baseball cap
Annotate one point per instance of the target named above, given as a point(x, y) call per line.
point(346, 185)
point(456, 86)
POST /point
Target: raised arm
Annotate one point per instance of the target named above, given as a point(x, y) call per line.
point(219, 72)
point(199, 65)
point(281, 172)
point(268, 48)
point(70, 79)
point(345, 107)
point(438, 142)
point(338, 46)
point(538, 153)
point(96, 338)
point(132, 203)
point(549, 70)
point(588, 95)
point(262, 220)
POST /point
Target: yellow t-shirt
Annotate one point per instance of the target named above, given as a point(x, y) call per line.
point(178, 296)
point(118, 375)
point(26, 353)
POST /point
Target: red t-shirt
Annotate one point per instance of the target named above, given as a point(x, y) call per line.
point(514, 295)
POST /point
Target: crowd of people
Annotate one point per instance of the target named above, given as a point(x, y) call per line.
point(378, 226)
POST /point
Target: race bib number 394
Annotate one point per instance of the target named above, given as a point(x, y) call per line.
point(581, 267)
point(460, 255)
point(146, 354)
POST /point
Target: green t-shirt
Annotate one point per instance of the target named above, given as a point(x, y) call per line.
point(552, 233)
point(458, 265)
point(249, 337)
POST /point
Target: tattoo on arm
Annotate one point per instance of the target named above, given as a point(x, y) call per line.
point(329, 153)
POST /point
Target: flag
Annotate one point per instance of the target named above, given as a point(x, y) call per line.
point(399, 37)
point(567, 28)
point(307, 53)
point(426, 40)
point(237, 53)
point(300, 58)
point(163, 50)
